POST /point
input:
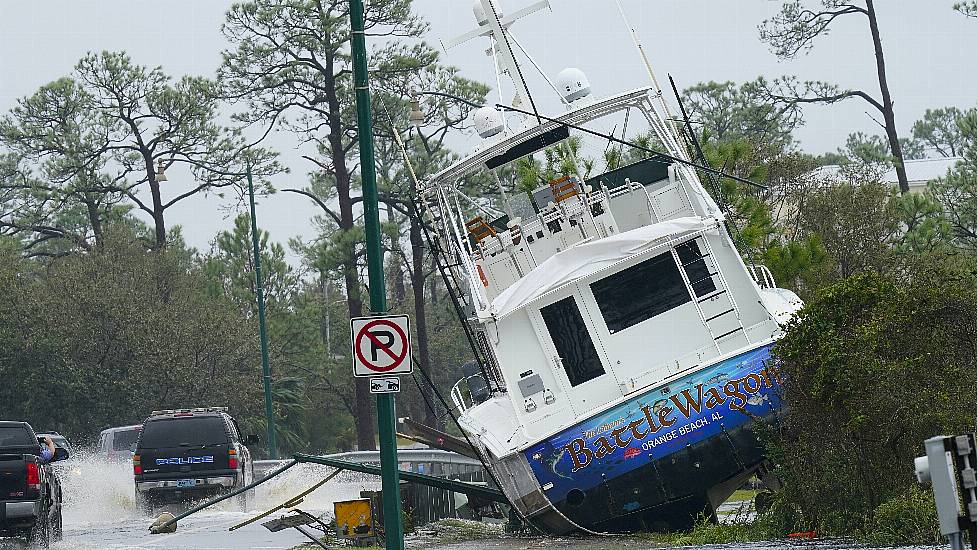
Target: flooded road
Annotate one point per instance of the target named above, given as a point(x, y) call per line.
point(100, 513)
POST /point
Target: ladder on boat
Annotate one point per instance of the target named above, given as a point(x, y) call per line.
point(710, 293)
point(446, 266)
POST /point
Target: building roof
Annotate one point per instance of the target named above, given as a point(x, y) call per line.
point(924, 170)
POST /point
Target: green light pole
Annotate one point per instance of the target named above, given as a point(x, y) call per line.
point(260, 291)
point(386, 412)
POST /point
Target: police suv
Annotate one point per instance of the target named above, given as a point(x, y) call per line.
point(188, 454)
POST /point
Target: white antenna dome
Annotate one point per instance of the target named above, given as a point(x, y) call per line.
point(489, 121)
point(573, 84)
point(480, 14)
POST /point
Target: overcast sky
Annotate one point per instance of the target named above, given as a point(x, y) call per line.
point(929, 51)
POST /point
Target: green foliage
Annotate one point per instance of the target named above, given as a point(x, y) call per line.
point(939, 131)
point(872, 149)
point(957, 191)
point(728, 112)
point(873, 367)
point(98, 136)
point(563, 159)
point(230, 268)
point(101, 339)
point(856, 222)
point(967, 8)
point(906, 519)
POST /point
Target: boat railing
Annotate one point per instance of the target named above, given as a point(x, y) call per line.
point(458, 396)
point(472, 388)
point(762, 275)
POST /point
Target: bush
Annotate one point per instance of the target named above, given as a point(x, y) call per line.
point(873, 368)
point(909, 519)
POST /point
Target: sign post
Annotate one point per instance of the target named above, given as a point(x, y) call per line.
point(393, 527)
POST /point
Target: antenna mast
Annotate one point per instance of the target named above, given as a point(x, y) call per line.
point(651, 71)
point(493, 24)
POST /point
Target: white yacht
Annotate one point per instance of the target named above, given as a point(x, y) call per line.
point(622, 342)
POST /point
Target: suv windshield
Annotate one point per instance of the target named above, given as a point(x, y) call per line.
point(15, 436)
point(185, 431)
point(124, 440)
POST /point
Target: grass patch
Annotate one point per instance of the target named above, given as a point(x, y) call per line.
point(742, 494)
point(460, 530)
point(706, 532)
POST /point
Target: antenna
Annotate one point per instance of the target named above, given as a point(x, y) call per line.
point(651, 72)
point(492, 24)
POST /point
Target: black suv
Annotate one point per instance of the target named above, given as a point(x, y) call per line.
point(188, 454)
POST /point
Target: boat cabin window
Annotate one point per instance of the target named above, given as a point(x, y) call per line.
point(695, 268)
point(640, 292)
point(572, 341)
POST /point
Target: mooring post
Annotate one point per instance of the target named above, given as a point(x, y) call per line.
point(386, 412)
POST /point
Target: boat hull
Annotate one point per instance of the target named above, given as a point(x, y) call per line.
point(659, 460)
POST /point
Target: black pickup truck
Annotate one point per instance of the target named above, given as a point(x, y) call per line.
point(30, 492)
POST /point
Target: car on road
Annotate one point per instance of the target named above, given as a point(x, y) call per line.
point(30, 491)
point(118, 444)
point(190, 454)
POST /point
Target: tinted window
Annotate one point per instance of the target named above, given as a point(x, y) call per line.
point(695, 268)
point(123, 441)
point(640, 292)
point(187, 432)
point(16, 436)
point(572, 341)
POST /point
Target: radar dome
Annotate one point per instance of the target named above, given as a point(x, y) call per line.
point(480, 15)
point(489, 121)
point(573, 84)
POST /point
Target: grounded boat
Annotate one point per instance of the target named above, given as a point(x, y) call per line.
point(621, 339)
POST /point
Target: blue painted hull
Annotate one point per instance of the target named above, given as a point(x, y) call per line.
point(650, 462)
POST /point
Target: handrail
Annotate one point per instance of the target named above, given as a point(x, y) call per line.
point(761, 275)
point(159, 528)
point(463, 487)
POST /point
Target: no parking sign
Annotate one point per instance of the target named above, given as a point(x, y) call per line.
point(381, 345)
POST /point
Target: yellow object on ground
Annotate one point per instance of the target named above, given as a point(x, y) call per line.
point(354, 518)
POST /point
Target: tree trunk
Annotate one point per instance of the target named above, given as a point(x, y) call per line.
point(324, 332)
point(365, 425)
point(158, 223)
point(888, 112)
point(420, 316)
point(95, 220)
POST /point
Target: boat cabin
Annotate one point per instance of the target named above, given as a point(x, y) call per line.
point(587, 292)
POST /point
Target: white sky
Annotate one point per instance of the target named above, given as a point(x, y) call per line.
point(930, 52)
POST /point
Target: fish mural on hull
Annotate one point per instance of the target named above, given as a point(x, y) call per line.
point(653, 425)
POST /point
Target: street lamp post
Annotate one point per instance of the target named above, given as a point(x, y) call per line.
point(262, 328)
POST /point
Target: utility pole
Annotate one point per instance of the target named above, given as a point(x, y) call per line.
point(260, 291)
point(386, 412)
